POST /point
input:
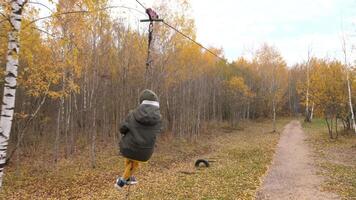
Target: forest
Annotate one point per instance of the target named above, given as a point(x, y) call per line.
point(81, 70)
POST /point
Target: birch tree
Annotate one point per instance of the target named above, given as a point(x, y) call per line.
point(307, 110)
point(91, 66)
point(272, 69)
point(10, 84)
point(344, 50)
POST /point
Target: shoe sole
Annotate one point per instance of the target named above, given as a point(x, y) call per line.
point(131, 183)
point(118, 187)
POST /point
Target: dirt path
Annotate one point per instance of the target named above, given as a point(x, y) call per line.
point(292, 174)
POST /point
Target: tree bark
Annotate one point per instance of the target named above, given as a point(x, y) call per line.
point(348, 83)
point(329, 128)
point(10, 84)
point(350, 101)
point(274, 115)
point(307, 111)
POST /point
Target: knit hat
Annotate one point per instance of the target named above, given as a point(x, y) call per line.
point(148, 95)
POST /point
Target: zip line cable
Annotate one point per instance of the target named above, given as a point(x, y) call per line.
point(184, 35)
point(192, 40)
point(134, 9)
point(141, 4)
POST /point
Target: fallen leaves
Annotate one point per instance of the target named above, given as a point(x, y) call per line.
point(242, 157)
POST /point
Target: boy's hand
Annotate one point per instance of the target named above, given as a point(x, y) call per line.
point(125, 125)
point(124, 129)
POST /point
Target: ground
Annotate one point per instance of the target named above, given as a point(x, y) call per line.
point(293, 172)
point(306, 165)
point(336, 158)
point(242, 156)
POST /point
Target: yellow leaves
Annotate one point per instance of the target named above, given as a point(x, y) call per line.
point(54, 94)
point(243, 157)
point(328, 89)
point(237, 85)
point(21, 115)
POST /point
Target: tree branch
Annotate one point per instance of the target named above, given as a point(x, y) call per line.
point(28, 122)
point(3, 15)
point(54, 36)
point(41, 4)
point(43, 31)
point(80, 12)
point(6, 18)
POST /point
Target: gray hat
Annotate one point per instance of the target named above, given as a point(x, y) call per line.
point(148, 95)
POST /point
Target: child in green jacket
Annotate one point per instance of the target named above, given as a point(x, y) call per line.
point(139, 135)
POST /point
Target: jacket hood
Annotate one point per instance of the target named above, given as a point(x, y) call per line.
point(147, 114)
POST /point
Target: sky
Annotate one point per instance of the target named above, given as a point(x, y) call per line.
point(294, 27)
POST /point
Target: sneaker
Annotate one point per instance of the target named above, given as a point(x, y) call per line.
point(131, 181)
point(120, 183)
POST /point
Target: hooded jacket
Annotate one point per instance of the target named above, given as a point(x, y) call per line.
point(141, 128)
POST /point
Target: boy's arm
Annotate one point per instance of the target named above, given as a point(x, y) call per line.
point(124, 128)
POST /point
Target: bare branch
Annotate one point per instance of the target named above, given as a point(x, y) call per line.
point(5, 18)
point(80, 12)
point(3, 15)
point(41, 4)
point(54, 36)
point(43, 31)
point(28, 122)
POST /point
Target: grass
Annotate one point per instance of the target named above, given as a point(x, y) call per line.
point(242, 156)
point(337, 159)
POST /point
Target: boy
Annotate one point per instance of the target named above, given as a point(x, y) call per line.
point(139, 135)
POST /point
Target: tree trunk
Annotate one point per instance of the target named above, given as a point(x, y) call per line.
point(93, 140)
point(274, 115)
point(307, 111)
point(10, 84)
point(350, 101)
point(336, 124)
point(348, 83)
point(290, 95)
point(58, 131)
point(329, 127)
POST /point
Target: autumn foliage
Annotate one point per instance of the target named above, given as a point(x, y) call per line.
point(83, 72)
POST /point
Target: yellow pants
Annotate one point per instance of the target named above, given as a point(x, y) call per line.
point(130, 167)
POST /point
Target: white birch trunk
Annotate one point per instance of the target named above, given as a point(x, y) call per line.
point(350, 101)
point(274, 90)
point(274, 115)
point(307, 114)
point(348, 83)
point(12, 58)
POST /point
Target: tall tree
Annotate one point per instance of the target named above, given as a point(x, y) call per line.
point(308, 113)
point(8, 102)
point(272, 69)
point(344, 50)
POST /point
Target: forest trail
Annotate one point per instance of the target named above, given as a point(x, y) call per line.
point(292, 174)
